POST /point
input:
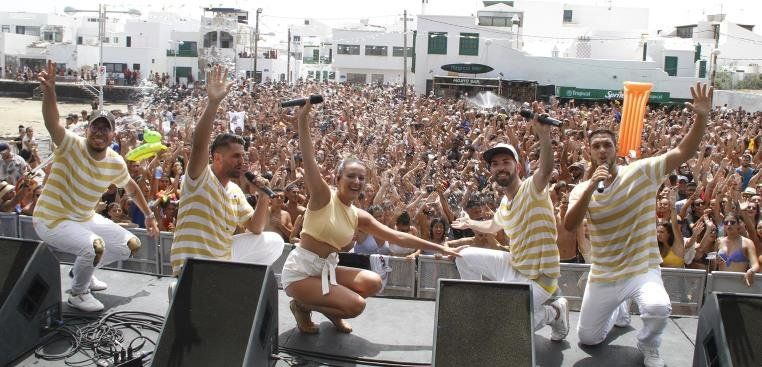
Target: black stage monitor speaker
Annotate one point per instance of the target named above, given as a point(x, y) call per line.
point(483, 324)
point(222, 314)
point(30, 297)
point(729, 331)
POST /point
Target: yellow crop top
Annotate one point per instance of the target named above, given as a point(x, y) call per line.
point(672, 260)
point(334, 224)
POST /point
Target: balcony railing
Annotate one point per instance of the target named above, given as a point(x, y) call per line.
point(315, 61)
point(183, 53)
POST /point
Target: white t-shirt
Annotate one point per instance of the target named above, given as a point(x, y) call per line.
point(236, 120)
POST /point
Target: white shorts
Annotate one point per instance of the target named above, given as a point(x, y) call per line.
point(303, 264)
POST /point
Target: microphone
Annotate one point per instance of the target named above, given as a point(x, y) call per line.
point(314, 99)
point(253, 179)
point(543, 118)
point(600, 183)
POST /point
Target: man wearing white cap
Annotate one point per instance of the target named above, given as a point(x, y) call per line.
point(65, 217)
point(526, 215)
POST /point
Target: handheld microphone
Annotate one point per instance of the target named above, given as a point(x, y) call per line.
point(543, 117)
point(314, 99)
point(600, 183)
point(253, 179)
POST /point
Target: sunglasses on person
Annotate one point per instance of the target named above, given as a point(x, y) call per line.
point(730, 222)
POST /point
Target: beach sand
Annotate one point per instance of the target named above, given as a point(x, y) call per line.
point(28, 112)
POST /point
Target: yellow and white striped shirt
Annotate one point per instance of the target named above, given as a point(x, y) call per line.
point(621, 221)
point(207, 218)
point(530, 225)
point(77, 182)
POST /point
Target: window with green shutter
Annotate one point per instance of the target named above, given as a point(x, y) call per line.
point(438, 43)
point(670, 65)
point(702, 69)
point(469, 44)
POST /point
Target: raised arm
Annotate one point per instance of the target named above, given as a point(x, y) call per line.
point(702, 103)
point(320, 193)
point(50, 114)
point(368, 224)
point(216, 89)
point(545, 168)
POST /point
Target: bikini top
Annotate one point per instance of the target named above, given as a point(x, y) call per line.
point(737, 256)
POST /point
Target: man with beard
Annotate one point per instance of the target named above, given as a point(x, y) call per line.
point(212, 206)
point(624, 252)
point(526, 216)
point(64, 217)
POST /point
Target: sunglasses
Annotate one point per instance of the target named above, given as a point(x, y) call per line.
point(729, 222)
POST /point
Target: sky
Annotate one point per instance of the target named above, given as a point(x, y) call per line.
point(664, 14)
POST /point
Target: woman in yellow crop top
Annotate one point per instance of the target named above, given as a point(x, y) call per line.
point(669, 236)
point(310, 274)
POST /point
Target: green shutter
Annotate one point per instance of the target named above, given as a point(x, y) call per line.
point(702, 69)
point(670, 65)
point(469, 44)
point(697, 53)
point(438, 43)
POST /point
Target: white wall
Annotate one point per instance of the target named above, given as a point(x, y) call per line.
point(751, 102)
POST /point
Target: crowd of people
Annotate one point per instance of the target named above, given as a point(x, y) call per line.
point(429, 170)
point(425, 154)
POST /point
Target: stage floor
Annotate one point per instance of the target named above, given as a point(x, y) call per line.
point(397, 330)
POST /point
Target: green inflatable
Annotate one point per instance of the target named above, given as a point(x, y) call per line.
point(151, 146)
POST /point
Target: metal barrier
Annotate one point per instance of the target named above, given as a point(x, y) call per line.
point(400, 281)
point(9, 225)
point(572, 283)
point(26, 228)
point(725, 281)
point(685, 288)
point(147, 258)
point(165, 246)
point(430, 269)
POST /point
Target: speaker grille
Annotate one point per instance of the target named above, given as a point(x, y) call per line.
point(483, 324)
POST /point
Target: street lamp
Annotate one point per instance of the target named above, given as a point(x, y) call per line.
point(515, 21)
point(715, 52)
point(256, 40)
point(101, 33)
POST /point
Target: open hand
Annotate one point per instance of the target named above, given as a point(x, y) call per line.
point(702, 99)
point(47, 78)
point(216, 86)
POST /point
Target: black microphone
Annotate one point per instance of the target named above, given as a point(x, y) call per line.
point(314, 99)
point(543, 118)
point(253, 179)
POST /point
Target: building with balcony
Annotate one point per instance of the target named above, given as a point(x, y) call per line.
point(369, 54)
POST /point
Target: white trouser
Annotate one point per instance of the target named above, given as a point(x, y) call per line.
point(263, 248)
point(601, 302)
point(495, 265)
point(77, 238)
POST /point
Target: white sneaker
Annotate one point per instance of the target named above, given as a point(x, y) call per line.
point(97, 285)
point(85, 302)
point(560, 326)
point(623, 315)
point(651, 356)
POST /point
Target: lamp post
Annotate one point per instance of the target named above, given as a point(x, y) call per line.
point(101, 33)
point(256, 40)
point(515, 22)
point(715, 52)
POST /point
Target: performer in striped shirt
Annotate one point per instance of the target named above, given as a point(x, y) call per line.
point(526, 215)
point(65, 217)
point(212, 206)
point(625, 254)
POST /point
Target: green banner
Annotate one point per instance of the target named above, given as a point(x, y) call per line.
point(583, 93)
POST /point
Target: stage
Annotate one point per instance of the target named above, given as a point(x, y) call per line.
point(399, 331)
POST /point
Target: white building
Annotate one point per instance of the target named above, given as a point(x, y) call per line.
point(371, 54)
point(578, 49)
point(25, 37)
point(312, 47)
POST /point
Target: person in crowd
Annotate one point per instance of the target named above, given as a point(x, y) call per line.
point(64, 217)
point(625, 262)
point(12, 165)
point(736, 252)
point(526, 216)
point(311, 275)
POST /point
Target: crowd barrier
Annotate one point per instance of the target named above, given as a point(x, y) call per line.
point(687, 288)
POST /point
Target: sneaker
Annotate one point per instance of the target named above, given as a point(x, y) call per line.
point(85, 302)
point(651, 356)
point(560, 326)
point(95, 284)
point(623, 316)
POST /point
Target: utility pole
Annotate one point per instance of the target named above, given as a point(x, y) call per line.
point(716, 28)
point(288, 58)
point(404, 55)
point(256, 39)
